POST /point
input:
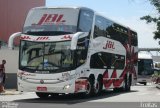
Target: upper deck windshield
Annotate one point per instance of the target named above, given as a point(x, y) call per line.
point(58, 21)
point(51, 21)
point(52, 57)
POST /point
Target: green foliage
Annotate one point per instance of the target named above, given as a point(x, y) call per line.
point(156, 73)
point(156, 20)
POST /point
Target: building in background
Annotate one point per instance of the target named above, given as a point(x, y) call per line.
point(13, 14)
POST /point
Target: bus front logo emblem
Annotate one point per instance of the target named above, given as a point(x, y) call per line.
point(42, 81)
point(109, 45)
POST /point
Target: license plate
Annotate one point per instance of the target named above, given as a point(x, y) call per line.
point(41, 88)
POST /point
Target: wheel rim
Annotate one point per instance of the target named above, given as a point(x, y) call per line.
point(126, 83)
point(88, 90)
point(97, 87)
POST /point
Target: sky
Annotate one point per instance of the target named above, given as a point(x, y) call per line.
point(125, 12)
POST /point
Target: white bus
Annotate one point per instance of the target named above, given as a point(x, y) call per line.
point(75, 50)
point(145, 67)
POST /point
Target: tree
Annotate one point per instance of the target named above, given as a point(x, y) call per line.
point(156, 20)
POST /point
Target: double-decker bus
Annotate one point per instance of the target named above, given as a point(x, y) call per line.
point(145, 68)
point(75, 50)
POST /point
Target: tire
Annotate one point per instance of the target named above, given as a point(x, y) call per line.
point(127, 84)
point(98, 86)
point(117, 89)
point(145, 83)
point(42, 95)
point(90, 87)
point(53, 95)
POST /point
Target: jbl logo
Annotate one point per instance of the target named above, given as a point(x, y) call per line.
point(51, 18)
point(25, 38)
point(67, 37)
point(42, 38)
point(109, 45)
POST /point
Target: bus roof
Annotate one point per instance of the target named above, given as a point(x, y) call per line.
point(62, 7)
point(80, 7)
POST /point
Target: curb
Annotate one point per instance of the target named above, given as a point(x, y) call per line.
point(10, 92)
point(158, 85)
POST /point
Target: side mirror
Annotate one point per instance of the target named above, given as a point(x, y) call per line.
point(11, 39)
point(75, 40)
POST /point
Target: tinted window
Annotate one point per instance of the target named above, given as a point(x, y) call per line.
point(118, 33)
point(85, 21)
point(134, 40)
point(145, 67)
point(81, 52)
point(101, 26)
point(107, 28)
point(104, 60)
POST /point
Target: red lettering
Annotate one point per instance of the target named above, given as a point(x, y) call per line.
point(67, 37)
point(51, 18)
point(42, 38)
point(25, 37)
point(60, 19)
point(42, 19)
point(109, 45)
point(113, 46)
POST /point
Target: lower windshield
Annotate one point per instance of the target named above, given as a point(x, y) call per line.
point(145, 67)
point(52, 57)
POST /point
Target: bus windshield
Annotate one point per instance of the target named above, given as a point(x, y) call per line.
point(46, 56)
point(145, 67)
point(60, 20)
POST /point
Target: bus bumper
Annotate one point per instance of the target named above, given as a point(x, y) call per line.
point(70, 86)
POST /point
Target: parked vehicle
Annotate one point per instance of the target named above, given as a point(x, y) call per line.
point(145, 68)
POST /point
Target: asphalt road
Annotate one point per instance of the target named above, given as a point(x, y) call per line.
point(139, 97)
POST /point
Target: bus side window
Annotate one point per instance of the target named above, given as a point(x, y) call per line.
point(101, 60)
point(118, 61)
point(100, 27)
point(82, 49)
point(85, 21)
point(96, 61)
point(104, 60)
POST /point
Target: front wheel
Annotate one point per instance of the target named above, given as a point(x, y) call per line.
point(90, 87)
point(98, 86)
point(126, 84)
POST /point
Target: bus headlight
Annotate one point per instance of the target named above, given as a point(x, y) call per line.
point(67, 86)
